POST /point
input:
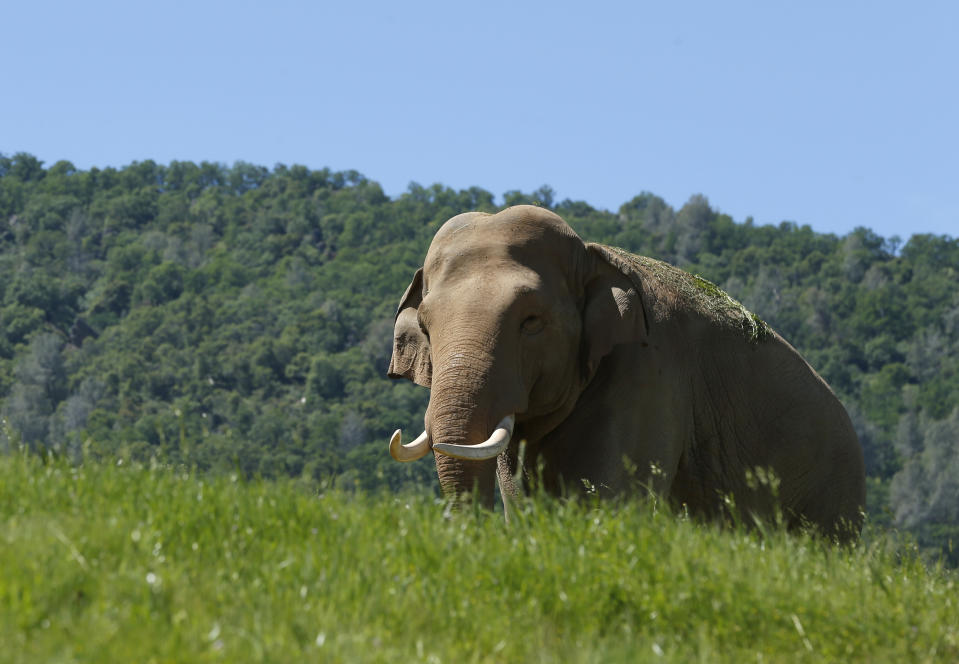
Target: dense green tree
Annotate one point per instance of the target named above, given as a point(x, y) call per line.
point(238, 319)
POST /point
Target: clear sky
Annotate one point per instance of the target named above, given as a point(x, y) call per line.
point(834, 114)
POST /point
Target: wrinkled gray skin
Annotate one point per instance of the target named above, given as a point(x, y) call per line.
point(612, 370)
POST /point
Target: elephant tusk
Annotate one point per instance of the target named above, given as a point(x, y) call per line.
point(486, 450)
point(412, 451)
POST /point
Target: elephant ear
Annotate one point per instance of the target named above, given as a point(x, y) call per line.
point(411, 347)
point(613, 312)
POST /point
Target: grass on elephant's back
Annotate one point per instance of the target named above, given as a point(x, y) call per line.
point(101, 563)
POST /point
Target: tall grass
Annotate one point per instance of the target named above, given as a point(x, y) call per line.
point(115, 564)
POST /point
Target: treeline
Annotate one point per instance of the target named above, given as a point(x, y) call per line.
point(239, 318)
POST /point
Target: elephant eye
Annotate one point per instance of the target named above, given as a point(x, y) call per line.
point(532, 325)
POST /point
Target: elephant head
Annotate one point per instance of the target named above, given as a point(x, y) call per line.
point(506, 323)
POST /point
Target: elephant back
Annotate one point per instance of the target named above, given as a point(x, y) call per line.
point(674, 289)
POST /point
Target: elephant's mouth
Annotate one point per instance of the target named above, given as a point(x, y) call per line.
point(488, 449)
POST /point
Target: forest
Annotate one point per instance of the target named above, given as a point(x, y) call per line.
point(238, 319)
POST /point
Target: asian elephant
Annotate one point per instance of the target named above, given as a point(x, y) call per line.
point(618, 371)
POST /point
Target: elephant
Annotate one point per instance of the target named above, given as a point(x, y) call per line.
point(618, 374)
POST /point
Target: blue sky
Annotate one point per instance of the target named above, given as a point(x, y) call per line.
point(833, 114)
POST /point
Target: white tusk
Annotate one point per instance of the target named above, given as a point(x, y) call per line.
point(411, 452)
point(486, 450)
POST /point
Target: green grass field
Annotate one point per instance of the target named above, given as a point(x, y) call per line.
point(115, 564)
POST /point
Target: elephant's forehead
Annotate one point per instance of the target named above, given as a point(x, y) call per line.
point(460, 223)
point(483, 253)
point(516, 225)
point(520, 244)
point(469, 261)
point(493, 279)
point(470, 246)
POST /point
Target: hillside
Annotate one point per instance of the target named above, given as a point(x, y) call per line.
point(101, 563)
point(237, 319)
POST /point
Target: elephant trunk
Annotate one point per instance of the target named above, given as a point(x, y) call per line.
point(459, 479)
point(470, 418)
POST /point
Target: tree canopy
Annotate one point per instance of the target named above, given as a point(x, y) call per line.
point(239, 318)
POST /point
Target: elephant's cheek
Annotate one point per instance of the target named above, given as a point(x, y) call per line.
point(459, 478)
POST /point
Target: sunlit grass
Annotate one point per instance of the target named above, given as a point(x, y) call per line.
point(115, 564)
